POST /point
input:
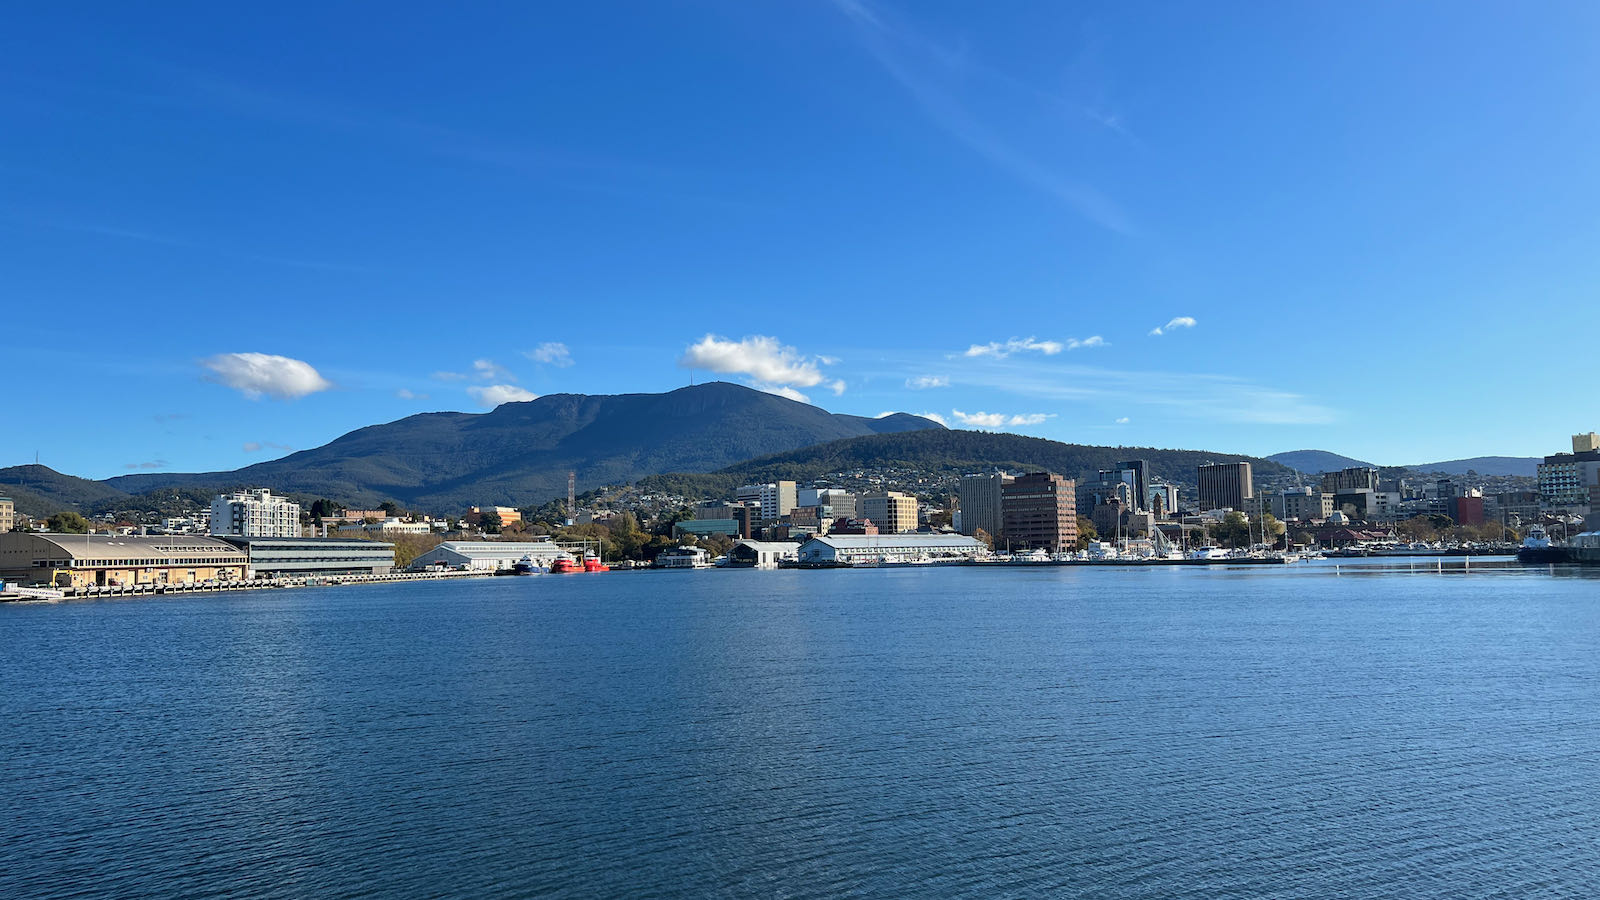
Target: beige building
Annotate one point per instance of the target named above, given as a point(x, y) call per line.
point(507, 515)
point(78, 560)
point(8, 515)
point(892, 511)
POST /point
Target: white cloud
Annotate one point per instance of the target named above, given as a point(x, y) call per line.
point(924, 382)
point(999, 420)
point(762, 358)
point(828, 360)
point(258, 446)
point(1122, 421)
point(1095, 341)
point(262, 374)
point(492, 395)
point(770, 365)
point(553, 353)
point(783, 390)
point(449, 376)
point(1176, 323)
point(936, 417)
point(489, 371)
point(1015, 345)
point(408, 394)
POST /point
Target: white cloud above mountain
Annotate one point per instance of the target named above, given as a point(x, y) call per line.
point(258, 375)
point(491, 395)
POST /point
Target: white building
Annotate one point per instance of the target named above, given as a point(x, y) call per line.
point(683, 558)
point(776, 498)
point(856, 549)
point(254, 513)
point(487, 555)
point(761, 554)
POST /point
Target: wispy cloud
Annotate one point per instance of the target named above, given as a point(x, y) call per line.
point(491, 395)
point(785, 391)
point(1174, 325)
point(258, 446)
point(262, 374)
point(408, 394)
point(142, 466)
point(1015, 345)
point(937, 78)
point(1000, 420)
point(488, 370)
point(924, 382)
point(1124, 420)
point(551, 353)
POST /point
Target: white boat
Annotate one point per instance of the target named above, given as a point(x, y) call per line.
point(1208, 553)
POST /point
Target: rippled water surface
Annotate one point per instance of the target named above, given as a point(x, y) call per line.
point(1074, 733)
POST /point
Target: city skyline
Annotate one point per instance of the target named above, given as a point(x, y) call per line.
point(1310, 230)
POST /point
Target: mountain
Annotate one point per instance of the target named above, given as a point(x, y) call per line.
point(1524, 466)
point(41, 491)
point(1315, 462)
point(520, 453)
point(944, 452)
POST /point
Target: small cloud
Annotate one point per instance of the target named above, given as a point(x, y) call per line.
point(837, 387)
point(551, 353)
point(1122, 421)
point(408, 394)
point(829, 360)
point(1015, 345)
point(489, 371)
point(258, 446)
point(492, 395)
point(924, 382)
point(1096, 341)
point(449, 376)
point(151, 464)
point(262, 374)
point(783, 390)
point(999, 420)
point(936, 418)
point(1179, 322)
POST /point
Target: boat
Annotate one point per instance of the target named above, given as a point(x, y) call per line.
point(1538, 548)
point(592, 563)
point(1208, 553)
point(527, 565)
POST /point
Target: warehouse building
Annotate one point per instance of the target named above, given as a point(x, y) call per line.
point(282, 557)
point(78, 560)
point(856, 549)
point(487, 555)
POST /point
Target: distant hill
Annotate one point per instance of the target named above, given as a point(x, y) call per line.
point(42, 491)
point(956, 452)
point(1524, 466)
point(520, 453)
point(1315, 462)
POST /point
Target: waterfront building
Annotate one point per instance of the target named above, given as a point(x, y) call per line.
point(1040, 511)
point(81, 560)
point(254, 513)
point(1303, 505)
point(745, 513)
point(1225, 485)
point(1517, 506)
point(837, 549)
point(775, 498)
point(487, 555)
point(277, 557)
point(1355, 478)
point(894, 512)
point(1570, 482)
point(980, 497)
point(854, 526)
point(1162, 499)
point(8, 515)
point(761, 554)
point(682, 558)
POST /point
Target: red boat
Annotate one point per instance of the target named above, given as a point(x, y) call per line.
point(566, 564)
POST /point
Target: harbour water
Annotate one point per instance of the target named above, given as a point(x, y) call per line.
point(1375, 731)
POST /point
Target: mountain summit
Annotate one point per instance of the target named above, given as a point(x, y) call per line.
point(520, 453)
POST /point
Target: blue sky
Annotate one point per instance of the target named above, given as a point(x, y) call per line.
point(1369, 228)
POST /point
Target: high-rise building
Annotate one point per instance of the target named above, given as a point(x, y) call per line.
point(255, 513)
point(1225, 485)
point(1303, 505)
point(1136, 473)
point(1163, 498)
point(776, 498)
point(1355, 478)
point(1040, 510)
point(8, 515)
point(1586, 443)
point(892, 511)
point(980, 503)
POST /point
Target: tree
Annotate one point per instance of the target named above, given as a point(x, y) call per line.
point(390, 508)
point(986, 537)
point(1269, 526)
point(68, 522)
point(1233, 530)
point(1086, 532)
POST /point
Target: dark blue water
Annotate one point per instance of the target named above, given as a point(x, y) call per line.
point(1076, 733)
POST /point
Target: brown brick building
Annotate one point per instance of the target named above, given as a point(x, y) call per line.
point(1040, 510)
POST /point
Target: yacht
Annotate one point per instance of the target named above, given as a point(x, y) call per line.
point(1538, 548)
point(1208, 553)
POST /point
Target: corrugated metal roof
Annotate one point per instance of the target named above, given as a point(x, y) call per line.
point(100, 547)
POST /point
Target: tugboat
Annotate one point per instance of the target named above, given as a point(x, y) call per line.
point(1537, 548)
